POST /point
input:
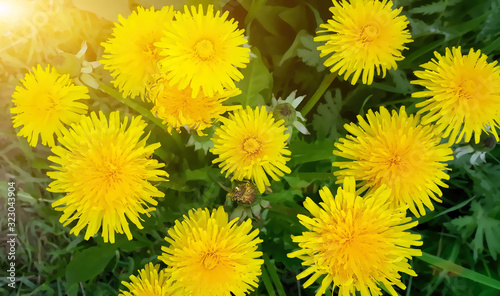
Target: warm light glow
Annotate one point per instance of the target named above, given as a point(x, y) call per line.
point(10, 10)
point(5, 8)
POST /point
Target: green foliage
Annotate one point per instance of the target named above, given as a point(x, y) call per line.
point(51, 261)
point(309, 54)
point(89, 263)
point(328, 122)
point(256, 85)
point(483, 225)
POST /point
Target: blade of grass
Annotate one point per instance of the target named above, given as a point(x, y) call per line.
point(494, 45)
point(267, 283)
point(419, 52)
point(460, 270)
point(431, 215)
point(274, 275)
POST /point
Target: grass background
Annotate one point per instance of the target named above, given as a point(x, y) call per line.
point(461, 237)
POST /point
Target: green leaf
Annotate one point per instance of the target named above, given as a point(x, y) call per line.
point(317, 16)
point(436, 7)
point(465, 27)
point(327, 121)
point(257, 79)
point(426, 49)
point(433, 215)
point(310, 53)
point(459, 270)
point(292, 51)
point(491, 26)
point(421, 28)
point(492, 46)
point(303, 152)
point(485, 227)
point(267, 16)
point(294, 17)
point(89, 263)
point(402, 83)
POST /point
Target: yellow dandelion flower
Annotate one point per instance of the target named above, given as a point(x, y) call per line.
point(355, 243)
point(249, 144)
point(204, 51)
point(464, 93)
point(151, 282)
point(177, 108)
point(210, 255)
point(104, 168)
point(398, 152)
point(365, 35)
point(130, 55)
point(46, 102)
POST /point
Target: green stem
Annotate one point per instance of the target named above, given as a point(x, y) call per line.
point(132, 104)
point(459, 270)
point(143, 111)
point(319, 93)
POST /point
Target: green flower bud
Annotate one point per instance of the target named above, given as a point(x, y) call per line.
point(66, 63)
point(286, 112)
point(486, 143)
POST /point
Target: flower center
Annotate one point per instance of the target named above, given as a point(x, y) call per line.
point(467, 89)
point(286, 112)
point(394, 161)
point(210, 260)
point(152, 52)
point(369, 33)
point(50, 104)
point(251, 145)
point(204, 49)
point(111, 173)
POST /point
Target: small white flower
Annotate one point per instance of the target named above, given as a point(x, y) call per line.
point(475, 157)
point(287, 110)
point(78, 68)
point(479, 150)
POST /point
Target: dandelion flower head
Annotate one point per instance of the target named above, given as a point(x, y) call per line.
point(105, 169)
point(204, 51)
point(151, 282)
point(209, 255)
point(130, 55)
point(249, 144)
point(177, 108)
point(464, 94)
point(364, 36)
point(397, 152)
point(355, 242)
point(45, 103)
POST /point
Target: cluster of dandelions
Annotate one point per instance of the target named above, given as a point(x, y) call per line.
point(462, 89)
point(105, 169)
point(207, 255)
point(185, 64)
point(103, 164)
point(397, 159)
